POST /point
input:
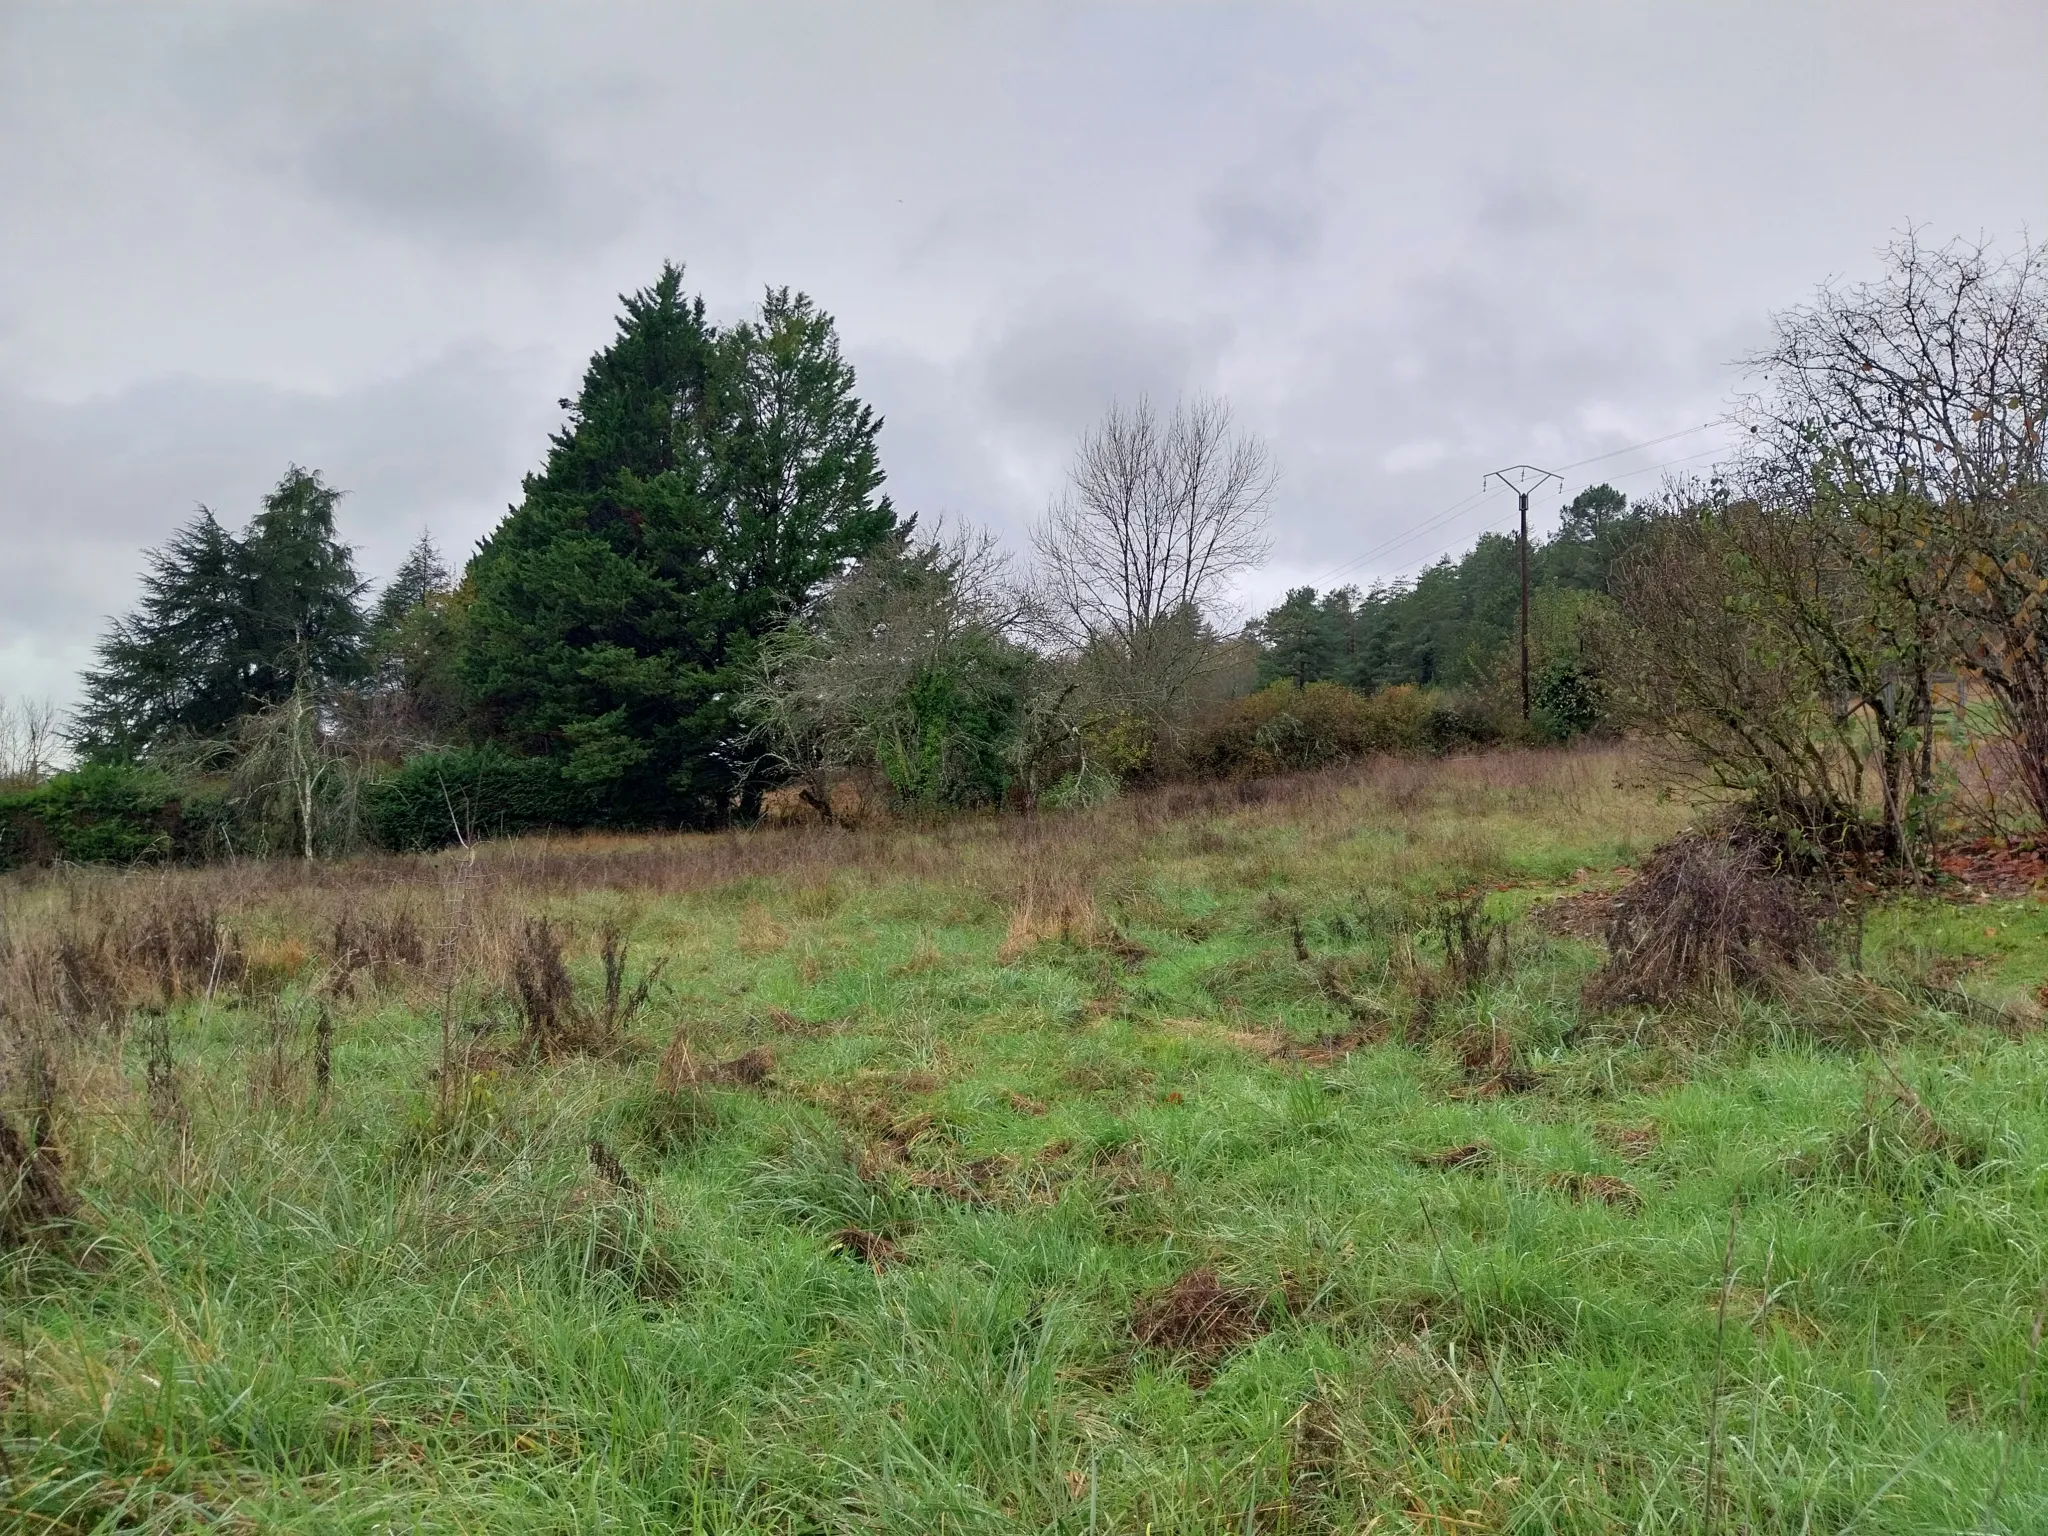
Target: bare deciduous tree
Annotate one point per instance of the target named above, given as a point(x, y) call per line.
point(1158, 518)
point(1909, 418)
point(30, 735)
point(1136, 557)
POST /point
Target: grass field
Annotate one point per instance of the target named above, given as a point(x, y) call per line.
point(1177, 1165)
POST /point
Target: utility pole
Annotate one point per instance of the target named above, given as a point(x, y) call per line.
point(1522, 479)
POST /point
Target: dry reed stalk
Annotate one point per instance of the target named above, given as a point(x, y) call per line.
point(677, 1068)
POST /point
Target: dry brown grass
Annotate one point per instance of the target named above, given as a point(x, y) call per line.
point(89, 946)
point(1064, 914)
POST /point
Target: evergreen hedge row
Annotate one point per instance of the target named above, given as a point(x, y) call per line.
point(461, 794)
point(111, 814)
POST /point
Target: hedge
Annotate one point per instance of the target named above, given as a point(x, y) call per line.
point(109, 813)
point(462, 794)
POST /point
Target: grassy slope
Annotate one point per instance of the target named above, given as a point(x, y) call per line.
point(378, 1316)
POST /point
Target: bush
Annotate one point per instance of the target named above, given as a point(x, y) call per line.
point(1458, 721)
point(1569, 700)
point(1286, 728)
point(459, 795)
point(111, 814)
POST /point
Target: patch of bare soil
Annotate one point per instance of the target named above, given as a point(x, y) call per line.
point(1633, 1142)
point(749, 1070)
point(1582, 915)
point(871, 1248)
point(1492, 1068)
point(1200, 1319)
point(1328, 1050)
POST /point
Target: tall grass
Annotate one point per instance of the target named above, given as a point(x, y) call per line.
point(1234, 1157)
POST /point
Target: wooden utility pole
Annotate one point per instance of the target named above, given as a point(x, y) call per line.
point(1523, 479)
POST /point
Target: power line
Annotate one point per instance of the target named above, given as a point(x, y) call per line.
point(1500, 524)
point(1615, 453)
point(1437, 519)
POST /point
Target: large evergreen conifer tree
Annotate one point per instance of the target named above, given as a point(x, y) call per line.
point(705, 484)
point(228, 626)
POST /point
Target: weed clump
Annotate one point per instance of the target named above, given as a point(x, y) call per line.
point(380, 946)
point(547, 997)
point(1708, 914)
point(36, 1201)
point(554, 1023)
point(1898, 1146)
point(1475, 945)
point(184, 945)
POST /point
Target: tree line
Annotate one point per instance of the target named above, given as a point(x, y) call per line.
point(705, 597)
point(703, 593)
point(1454, 626)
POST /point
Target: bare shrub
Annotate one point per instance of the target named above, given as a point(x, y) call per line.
point(552, 1024)
point(1708, 914)
point(621, 1006)
point(1913, 408)
point(1730, 654)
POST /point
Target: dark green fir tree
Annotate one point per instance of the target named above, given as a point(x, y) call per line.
point(228, 626)
point(704, 486)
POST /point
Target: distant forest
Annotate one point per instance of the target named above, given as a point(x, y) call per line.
point(1451, 626)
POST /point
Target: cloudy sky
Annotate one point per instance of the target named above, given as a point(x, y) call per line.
point(1407, 242)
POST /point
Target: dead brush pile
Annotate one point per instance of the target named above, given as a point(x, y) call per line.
point(1710, 915)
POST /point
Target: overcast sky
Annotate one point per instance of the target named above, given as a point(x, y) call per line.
point(1407, 242)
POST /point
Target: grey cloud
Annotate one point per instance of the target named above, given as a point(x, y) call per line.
point(1272, 206)
point(1248, 220)
point(1531, 203)
point(1385, 233)
point(1056, 367)
point(398, 122)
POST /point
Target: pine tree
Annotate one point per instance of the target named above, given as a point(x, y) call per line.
point(421, 575)
point(704, 485)
point(302, 598)
point(1297, 641)
point(227, 626)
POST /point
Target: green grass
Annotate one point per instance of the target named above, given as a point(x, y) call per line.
point(417, 1306)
